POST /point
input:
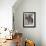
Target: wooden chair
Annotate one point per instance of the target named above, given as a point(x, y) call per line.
point(18, 39)
point(29, 43)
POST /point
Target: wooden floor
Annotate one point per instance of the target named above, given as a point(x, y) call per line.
point(9, 43)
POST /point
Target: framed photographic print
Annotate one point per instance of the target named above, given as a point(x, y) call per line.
point(29, 19)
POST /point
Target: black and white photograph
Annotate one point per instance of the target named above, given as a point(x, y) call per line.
point(29, 19)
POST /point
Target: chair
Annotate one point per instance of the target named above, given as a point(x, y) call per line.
point(18, 39)
point(29, 43)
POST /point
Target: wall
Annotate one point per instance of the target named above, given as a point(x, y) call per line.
point(43, 22)
point(28, 6)
point(6, 16)
point(6, 13)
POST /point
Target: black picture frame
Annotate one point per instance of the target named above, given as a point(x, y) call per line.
point(29, 19)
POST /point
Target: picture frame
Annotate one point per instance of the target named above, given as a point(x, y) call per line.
point(29, 19)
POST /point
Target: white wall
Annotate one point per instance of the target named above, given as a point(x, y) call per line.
point(29, 6)
point(43, 22)
point(37, 34)
point(6, 13)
